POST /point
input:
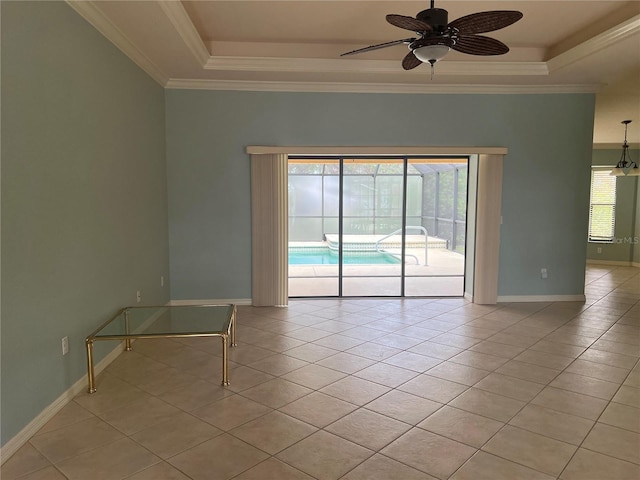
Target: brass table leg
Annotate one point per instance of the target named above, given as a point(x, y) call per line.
point(225, 360)
point(233, 328)
point(90, 374)
point(127, 341)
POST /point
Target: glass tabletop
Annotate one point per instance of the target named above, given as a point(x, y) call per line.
point(167, 320)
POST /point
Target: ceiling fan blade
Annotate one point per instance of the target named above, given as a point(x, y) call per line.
point(479, 45)
point(408, 23)
point(379, 45)
point(483, 22)
point(410, 61)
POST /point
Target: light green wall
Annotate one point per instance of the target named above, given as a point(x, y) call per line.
point(84, 203)
point(546, 173)
point(623, 248)
point(636, 246)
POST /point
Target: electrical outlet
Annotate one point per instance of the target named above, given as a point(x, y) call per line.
point(543, 273)
point(599, 250)
point(138, 296)
point(65, 345)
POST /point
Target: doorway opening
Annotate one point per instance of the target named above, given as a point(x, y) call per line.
point(377, 226)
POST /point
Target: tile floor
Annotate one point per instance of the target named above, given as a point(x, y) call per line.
point(370, 389)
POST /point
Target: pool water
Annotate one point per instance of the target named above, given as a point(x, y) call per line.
point(327, 257)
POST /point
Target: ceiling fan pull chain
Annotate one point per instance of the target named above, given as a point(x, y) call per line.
point(432, 64)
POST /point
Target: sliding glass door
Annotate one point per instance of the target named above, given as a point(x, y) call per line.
point(376, 226)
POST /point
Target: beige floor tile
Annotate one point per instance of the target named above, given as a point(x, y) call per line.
point(273, 432)
point(545, 359)
point(69, 414)
point(276, 393)
point(231, 412)
point(558, 349)
point(281, 343)
point(140, 414)
point(403, 406)
point(244, 377)
point(617, 347)
point(628, 396)
point(346, 362)
point(497, 349)
point(119, 459)
point(175, 435)
point(172, 378)
point(198, 394)
point(484, 361)
point(484, 466)
point(47, 473)
point(488, 404)
point(453, 340)
point(381, 467)
point(510, 387)
point(570, 402)
point(633, 380)
point(586, 385)
point(436, 350)
point(274, 469)
point(588, 465)
point(355, 390)
point(368, 429)
point(433, 388)
point(314, 376)
point(615, 442)
point(26, 460)
point(598, 370)
point(397, 341)
point(75, 439)
point(623, 416)
point(554, 424)
point(325, 456)
point(159, 471)
point(413, 361)
point(308, 334)
point(608, 358)
point(373, 351)
point(458, 373)
point(111, 393)
point(310, 352)
point(428, 452)
point(318, 409)
point(528, 371)
point(364, 333)
point(530, 449)
point(465, 427)
point(221, 458)
point(338, 342)
point(384, 374)
point(278, 364)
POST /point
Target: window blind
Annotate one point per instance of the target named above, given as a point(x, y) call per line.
point(602, 206)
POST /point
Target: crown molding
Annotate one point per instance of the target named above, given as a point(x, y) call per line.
point(595, 44)
point(181, 21)
point(326, 65)
point(92, 14)
point(320, 87)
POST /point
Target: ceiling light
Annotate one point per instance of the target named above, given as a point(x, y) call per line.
point(431, 53)
point(626, 166)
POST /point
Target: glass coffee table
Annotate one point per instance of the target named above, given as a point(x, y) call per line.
point(167, 322)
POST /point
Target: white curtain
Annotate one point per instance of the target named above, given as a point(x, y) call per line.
point(269, 229)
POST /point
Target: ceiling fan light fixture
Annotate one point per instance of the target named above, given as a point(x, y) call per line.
point(431, 53)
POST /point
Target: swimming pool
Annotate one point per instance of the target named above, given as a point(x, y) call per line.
point(325, 256)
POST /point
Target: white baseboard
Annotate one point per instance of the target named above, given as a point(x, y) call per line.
point(613, 263)
point(209, 301)
point(468, 296)
point(540, 298)
point(13, 445)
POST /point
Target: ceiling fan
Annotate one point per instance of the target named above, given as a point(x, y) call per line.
point(437, 36)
